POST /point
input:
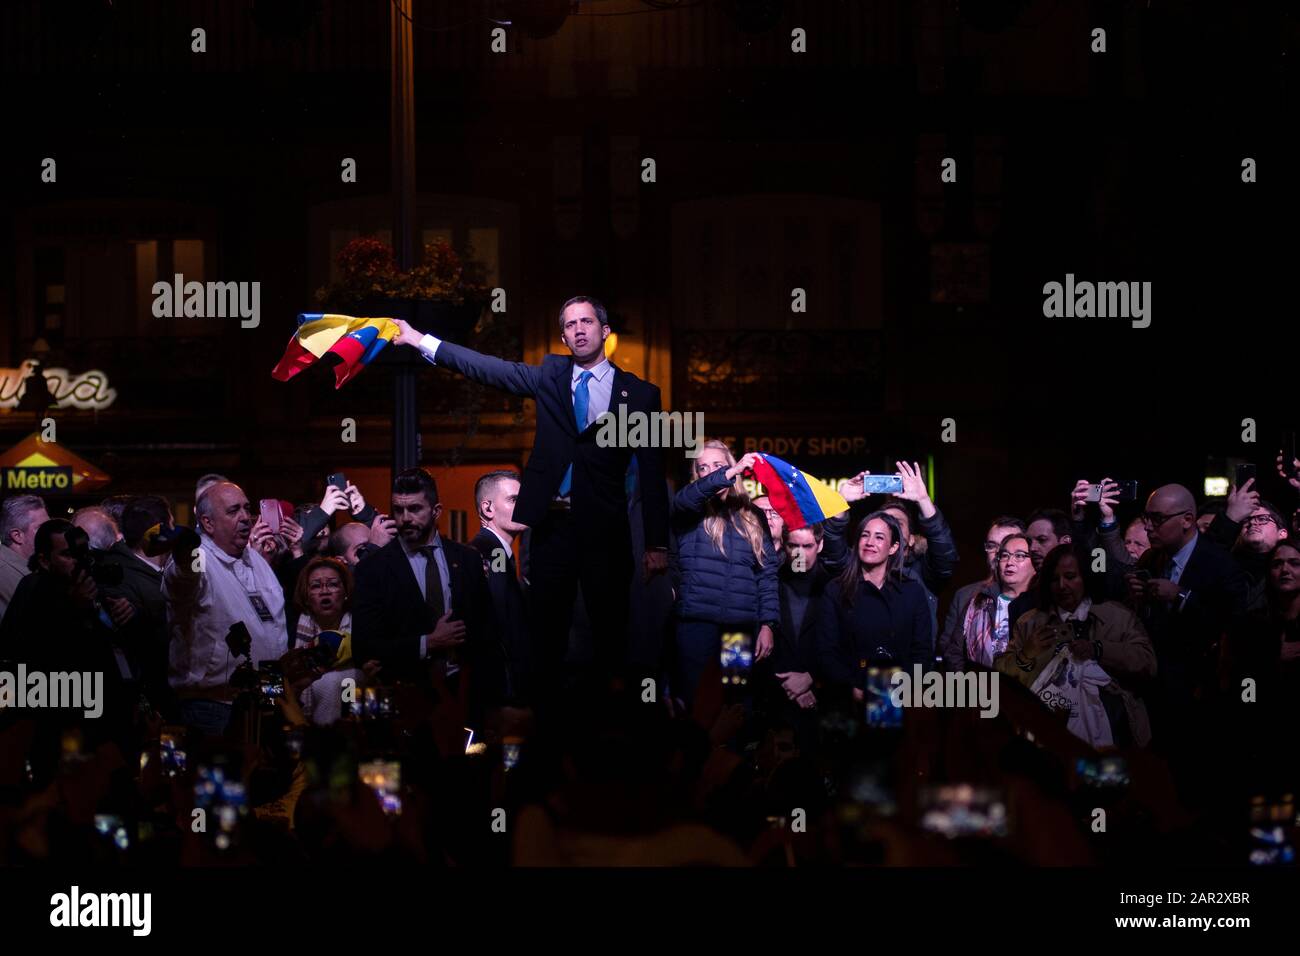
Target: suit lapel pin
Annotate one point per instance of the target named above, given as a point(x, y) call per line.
point(624, 393)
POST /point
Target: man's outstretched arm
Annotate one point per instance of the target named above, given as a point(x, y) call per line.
point(514, 377)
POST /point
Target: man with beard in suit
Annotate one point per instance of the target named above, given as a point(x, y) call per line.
point(421, 600)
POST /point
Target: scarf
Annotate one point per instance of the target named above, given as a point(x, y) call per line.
point(308, 634)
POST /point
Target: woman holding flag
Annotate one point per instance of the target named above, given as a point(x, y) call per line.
point(723, 564)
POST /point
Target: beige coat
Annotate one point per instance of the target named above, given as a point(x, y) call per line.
point(1126, 655)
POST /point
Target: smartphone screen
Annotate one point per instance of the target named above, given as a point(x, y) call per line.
point(270, 682)
point(270, 511)
point(218, 791)
point(384, 777)
point(1245, 473)
point(882, 712)
point(171, 755)
point(963, 810)
point(1103, 773)
point(510, 751)
point(882, 484)
point(737, 658)
point(111, 828)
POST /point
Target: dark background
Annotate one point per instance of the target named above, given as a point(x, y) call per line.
point(774, 170)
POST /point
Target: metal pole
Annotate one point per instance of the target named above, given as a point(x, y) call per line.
point(406, 415)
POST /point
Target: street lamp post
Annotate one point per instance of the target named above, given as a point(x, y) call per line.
point(406, 416)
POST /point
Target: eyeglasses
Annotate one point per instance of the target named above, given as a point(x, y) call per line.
point(1154, 519)
point(1258, 520)
point(1017, 555)
point(991, 546)
point(771, 512)
point(324, 586)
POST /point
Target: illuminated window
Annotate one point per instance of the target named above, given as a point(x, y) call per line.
point(146, 274)
point(187, 259)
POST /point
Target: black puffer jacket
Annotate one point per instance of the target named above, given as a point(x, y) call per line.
point(729, 588)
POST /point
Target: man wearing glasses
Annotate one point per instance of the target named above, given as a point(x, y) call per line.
point(1250, 528)
point(1187, 590)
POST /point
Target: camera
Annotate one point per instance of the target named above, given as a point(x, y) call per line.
point(104, 575)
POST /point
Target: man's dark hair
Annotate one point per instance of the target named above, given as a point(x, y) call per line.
point(818, 532)
point(115, 506)
point(1211, 508)
point(908, 508)
point(141, 514)
point(417, 481)
point(601, 315)
point(1007, 521)
point(1094, 584)
point(44, 542)
point(485, 487)
point(1274, 513)
point(1059, 520)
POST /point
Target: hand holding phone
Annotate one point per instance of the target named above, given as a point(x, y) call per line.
point(269, 509)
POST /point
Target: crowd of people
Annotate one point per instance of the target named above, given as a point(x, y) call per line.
point(335, 681)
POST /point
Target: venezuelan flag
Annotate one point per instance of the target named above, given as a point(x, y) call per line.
point(799, 499)
point(356, 341)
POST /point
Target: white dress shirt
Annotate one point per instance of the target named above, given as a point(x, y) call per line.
point(201, 607)
point(420, 566)
point(13, 568)
point(599, 388)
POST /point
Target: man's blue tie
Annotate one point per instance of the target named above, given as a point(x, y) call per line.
point(581, 400)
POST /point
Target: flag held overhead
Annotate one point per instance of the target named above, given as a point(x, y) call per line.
point(355, 341)
point(798, 498)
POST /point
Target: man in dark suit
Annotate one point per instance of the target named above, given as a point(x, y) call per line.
point(495, 495)
point(1190, 595)
point(572, 495)
point(421, 600)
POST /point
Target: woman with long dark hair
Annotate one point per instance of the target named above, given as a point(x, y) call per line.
point(872, 614)
point(723, 565)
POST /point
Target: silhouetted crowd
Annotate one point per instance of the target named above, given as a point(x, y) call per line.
point(324, 681)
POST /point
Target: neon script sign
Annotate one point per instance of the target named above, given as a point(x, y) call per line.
point(87, 390)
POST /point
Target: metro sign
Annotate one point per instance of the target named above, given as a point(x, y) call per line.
point(35, 467)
